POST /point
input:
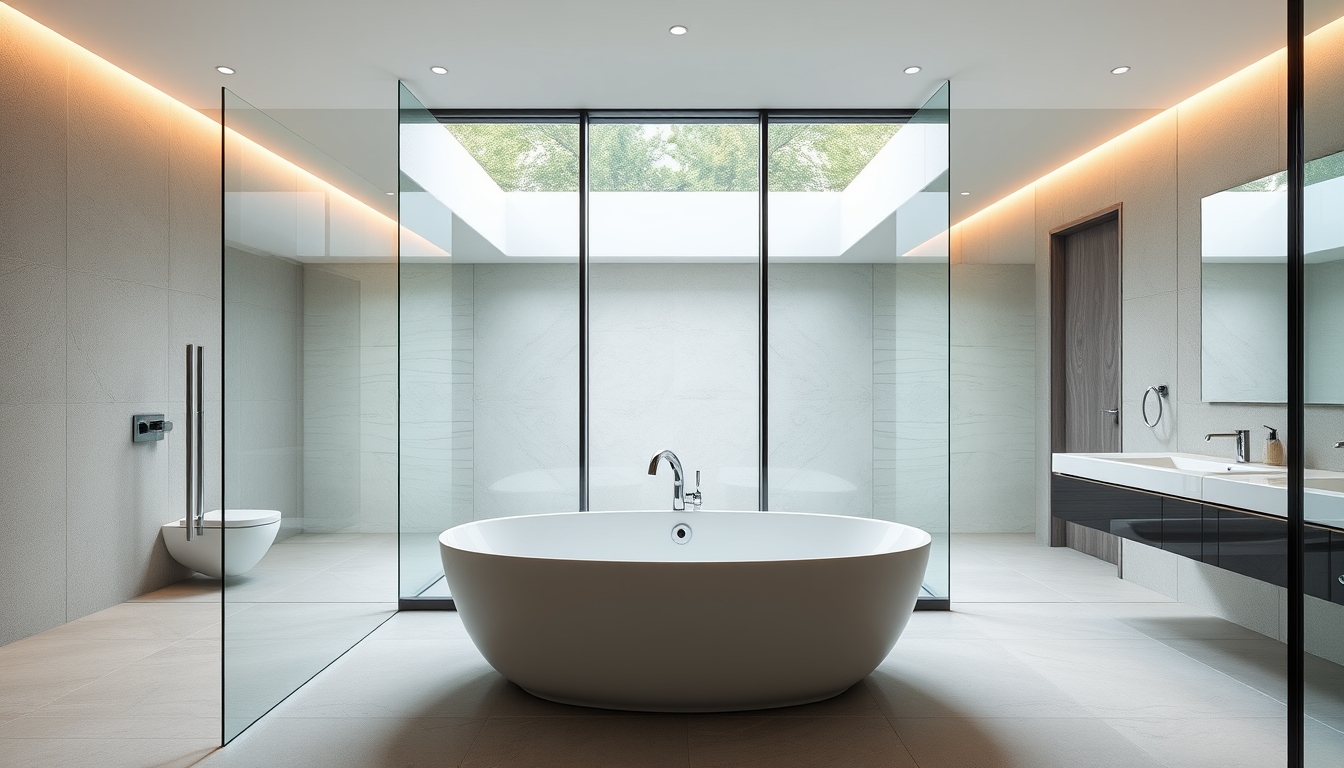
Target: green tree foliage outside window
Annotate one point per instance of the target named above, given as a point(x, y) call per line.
point(1321, 169)
point(803, 157)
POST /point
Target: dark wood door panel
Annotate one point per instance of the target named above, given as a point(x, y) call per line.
point(1087, 337)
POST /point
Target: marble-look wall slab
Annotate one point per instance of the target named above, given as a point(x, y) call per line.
point(674, 366)
point(525, 397)
point(428, 390)
point(377, 422)
point(463, 389)
point(331, 402)
point(821, 388)
point(911, 395)
point(993, 411)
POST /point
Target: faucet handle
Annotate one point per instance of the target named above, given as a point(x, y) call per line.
point(695, 497)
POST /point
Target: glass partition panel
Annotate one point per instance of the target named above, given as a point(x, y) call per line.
point(1323, 365)
point(673, 317)
point(858, 308)
point(309, 403)
point(489, 318)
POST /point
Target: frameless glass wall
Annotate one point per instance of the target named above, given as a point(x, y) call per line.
point(309, 411)
point(493, 232)
point(673, 318)
point(858, 320)
point(489, 362)
point(1322, 554)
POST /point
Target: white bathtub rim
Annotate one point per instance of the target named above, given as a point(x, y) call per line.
point(927, 539)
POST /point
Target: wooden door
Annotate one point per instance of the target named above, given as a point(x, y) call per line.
point(1086, 312)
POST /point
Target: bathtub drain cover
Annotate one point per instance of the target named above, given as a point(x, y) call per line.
point(681, 533)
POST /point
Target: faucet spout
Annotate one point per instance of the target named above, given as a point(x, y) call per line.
point(678, 481)
point(1243, 438)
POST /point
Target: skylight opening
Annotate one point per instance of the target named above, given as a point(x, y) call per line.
point(673, 157)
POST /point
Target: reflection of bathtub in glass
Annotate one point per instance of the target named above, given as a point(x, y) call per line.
point(745, 610)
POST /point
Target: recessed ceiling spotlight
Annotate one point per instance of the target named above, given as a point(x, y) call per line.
point(225, 70)
point(1119, 70)
point(965, 193)
point(439, 70)
point(678, 29)
point(391, 193)
point(912, 70)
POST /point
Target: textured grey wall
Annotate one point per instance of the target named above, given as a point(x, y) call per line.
point(109, 266)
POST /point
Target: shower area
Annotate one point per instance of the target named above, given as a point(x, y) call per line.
point(532, 306)
point(764, 293)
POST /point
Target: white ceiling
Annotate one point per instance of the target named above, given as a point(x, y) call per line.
point(1024, 56)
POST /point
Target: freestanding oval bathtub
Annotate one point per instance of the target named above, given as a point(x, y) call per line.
point(743, 610)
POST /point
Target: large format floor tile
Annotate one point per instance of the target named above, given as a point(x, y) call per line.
point(805, 742)
point(350, 742)
point(1141, 678)
point(581, 742)
point(965, 678)
point(1016, 742)
point(1055, 662)
point(1196, 743)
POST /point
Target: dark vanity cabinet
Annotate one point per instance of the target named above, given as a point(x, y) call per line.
point(1248, 543)
point(1253, 545)
point(1179, 525)
point(1126, 513)
point(1336, 577)
point(1183, 528)
point(1316, 562)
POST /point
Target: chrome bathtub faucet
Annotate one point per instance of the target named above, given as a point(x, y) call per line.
point(678, 481)
point(1243, 437)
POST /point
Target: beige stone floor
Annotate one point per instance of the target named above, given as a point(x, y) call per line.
point(139, 684)
point(1048, 660)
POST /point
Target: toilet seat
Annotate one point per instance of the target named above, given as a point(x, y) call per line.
point(240, 518)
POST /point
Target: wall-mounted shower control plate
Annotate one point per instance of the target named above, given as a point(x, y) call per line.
point(146, 427)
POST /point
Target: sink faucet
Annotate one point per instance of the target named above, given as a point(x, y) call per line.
point(678, 481)
point(1243, 437)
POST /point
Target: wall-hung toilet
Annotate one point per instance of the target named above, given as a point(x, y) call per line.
point(248, 533)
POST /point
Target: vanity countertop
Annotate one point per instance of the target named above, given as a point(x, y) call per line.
point(1256, 487)
point(1171, 474)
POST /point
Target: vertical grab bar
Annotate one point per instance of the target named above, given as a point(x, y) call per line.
point(200, 444)
point(189, 519)
point(194, 519)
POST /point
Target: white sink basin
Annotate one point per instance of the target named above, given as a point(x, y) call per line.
point(1173, 474)
point(1195, 464)
point(1323, 503)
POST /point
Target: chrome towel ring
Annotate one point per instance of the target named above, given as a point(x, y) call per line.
point(1161, 390)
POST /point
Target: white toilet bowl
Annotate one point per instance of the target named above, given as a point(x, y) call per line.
point(248, 533)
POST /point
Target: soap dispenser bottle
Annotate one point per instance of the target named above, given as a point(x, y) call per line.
point(1273, 448)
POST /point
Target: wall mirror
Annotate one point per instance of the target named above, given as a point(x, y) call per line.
point(1243, 296)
